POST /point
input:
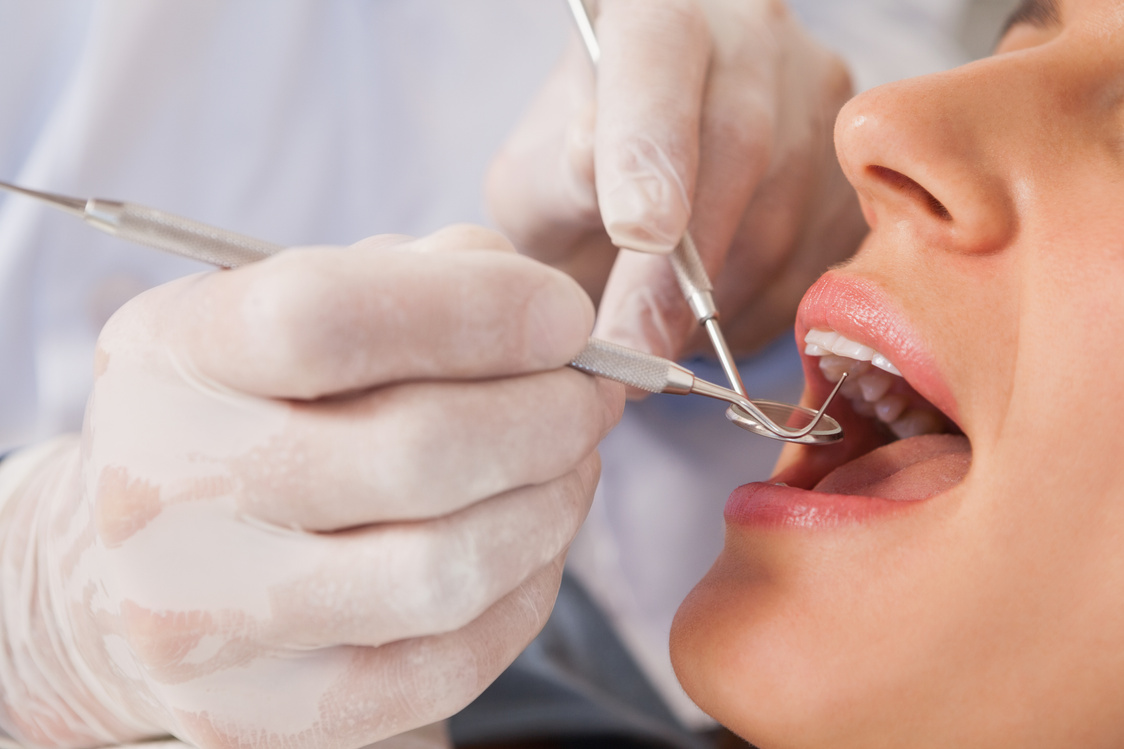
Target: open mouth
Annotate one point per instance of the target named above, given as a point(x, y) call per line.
point(922, 451)
point(903, 440)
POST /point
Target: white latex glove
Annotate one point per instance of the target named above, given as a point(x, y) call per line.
point(716, 113)
point(318, 501)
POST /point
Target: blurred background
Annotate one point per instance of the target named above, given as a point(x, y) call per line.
point(980, 26)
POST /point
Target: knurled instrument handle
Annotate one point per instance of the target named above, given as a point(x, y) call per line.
point(632, 367)
point(176, 234)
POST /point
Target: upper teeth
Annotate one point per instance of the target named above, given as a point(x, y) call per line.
point(822, 342)
point(868, 389)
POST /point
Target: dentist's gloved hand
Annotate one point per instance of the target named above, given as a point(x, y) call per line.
point(318, 500)
point(716, 114)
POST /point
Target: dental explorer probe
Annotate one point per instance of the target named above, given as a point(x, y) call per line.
point(227, 249)
point(685, 261)
point(658, 375)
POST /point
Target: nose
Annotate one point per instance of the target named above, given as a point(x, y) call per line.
point(925, 154)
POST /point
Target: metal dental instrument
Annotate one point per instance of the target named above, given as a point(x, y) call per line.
point(198, 241)
point(685, 261)
point(164, 231)
point(658, 375)
point(695, 284)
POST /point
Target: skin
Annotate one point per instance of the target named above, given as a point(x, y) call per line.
point(989, 614)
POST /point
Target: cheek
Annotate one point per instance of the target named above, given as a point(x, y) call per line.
point(1050, 566)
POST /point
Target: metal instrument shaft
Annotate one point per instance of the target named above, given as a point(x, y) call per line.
point(689, 270)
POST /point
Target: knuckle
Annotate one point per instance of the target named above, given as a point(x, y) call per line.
point(141, 322)
point(571, 418)
point(593, 406)
point(457, 586)
point(461, 237)
point(458, 665)
point(569, 498)
point(410, 441)
point(754, 124)
point(777, 9)
point(288, 311)
point(588, 475)
point(612, 400)
point(680, 17)
point(161, 641)
point(275, 485)
point(554, 322)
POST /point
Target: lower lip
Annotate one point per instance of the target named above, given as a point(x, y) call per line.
point(763, 505)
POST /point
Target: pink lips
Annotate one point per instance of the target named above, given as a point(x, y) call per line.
point(768, 505)
point(858, 309)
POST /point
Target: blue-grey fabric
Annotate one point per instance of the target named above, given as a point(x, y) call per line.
point(576, 679)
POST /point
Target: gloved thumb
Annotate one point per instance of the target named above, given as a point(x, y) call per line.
point(652, 77)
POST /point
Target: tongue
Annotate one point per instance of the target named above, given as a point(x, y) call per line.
point(914, 468)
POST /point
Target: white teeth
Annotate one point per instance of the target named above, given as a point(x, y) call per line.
point(883, 363)
point(852, 350)
point(870, 389)
point(823, 342)
point(814, 349)
point(823, 338)
point(875, 384)
point(890, 408)
point(851, 387)
point(863, 408)
point(834, 366)
point(917, 422)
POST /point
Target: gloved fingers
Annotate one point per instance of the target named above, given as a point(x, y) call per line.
point(358, 695)
point(423, 450)
point(643, 307)
point(736, 140)
point(802, 217)
point(321, 321)
point(451, 238)
point(539, 185)
point(463, 662)
point(651, 81)
point(257, 591)
point(390, 582)
point(766, 153)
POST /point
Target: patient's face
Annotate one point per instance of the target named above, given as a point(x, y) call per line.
point(965, 588)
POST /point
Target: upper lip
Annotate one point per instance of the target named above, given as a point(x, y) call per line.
point(860, 309)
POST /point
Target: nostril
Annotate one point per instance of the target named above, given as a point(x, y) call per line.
point(904, 184)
